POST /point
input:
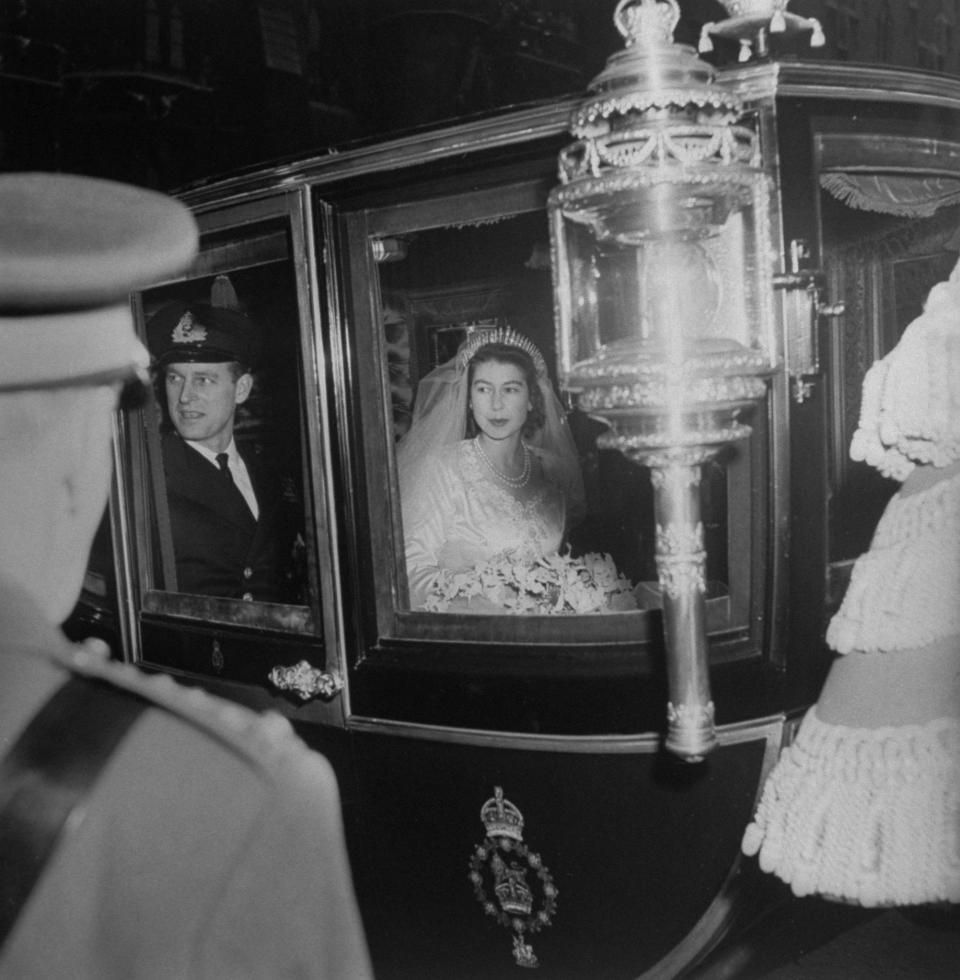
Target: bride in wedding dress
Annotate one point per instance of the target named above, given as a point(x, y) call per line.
point(489, 465)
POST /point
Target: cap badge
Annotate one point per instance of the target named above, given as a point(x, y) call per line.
point(188, 331)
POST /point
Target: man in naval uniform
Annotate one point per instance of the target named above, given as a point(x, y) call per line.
point(230, 522)
point(146, 832)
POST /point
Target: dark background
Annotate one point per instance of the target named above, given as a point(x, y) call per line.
point(165, 92)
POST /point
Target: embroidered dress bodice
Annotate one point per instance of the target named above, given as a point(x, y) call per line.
point(469, 518)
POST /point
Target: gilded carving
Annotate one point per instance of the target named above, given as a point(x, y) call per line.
point(693, 717)
point(306, 681)
point(681, 559)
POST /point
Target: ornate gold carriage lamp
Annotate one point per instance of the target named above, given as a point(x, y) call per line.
point(664, 300)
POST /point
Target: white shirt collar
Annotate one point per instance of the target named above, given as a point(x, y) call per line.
point(231, 452)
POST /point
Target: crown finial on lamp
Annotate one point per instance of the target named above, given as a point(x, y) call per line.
point(647, 20)
point(750, 21)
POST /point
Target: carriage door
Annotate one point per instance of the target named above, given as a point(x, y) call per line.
point(260, 641)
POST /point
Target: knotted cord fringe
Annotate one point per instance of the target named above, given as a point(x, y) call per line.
point(870, 816)
point(905, 591)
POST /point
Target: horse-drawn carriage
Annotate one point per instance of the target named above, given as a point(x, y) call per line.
point(516, 790)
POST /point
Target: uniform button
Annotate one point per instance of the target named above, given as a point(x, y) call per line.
point(247, 572)
point(247, 597)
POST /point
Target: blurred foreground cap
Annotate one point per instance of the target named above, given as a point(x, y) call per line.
point(68, 242)
point(72, 249)
point(201, 332)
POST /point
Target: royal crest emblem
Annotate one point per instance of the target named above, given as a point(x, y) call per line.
point(188, 331)
point(505, 861)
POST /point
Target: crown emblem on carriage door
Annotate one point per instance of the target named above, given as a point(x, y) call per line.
point(502, 864)
point(501, 818)
point(511, 889)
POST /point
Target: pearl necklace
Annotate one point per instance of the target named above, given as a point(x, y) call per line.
point(511, 481)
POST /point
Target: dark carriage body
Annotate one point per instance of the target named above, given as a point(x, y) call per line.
point(365, 266)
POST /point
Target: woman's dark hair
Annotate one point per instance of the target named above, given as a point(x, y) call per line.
point(508, 354)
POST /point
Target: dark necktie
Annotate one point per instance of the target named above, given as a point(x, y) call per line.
point(223, 461)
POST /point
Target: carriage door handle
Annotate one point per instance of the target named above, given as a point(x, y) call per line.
point(306, 681)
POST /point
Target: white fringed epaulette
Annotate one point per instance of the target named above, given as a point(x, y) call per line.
point(864, 815)
point(910, 408)
point(903, 592)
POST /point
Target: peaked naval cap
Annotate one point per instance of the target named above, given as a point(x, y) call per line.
point(72, 249)
point(199, 332)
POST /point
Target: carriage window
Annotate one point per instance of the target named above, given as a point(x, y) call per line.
point(228, 529)
point(509, 504)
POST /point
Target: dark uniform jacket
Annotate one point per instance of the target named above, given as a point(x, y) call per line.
point(220, 549)
point(211, 846)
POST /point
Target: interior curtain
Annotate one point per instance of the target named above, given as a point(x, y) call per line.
point(904, 195)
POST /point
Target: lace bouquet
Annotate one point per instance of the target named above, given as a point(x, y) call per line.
point(551, 584)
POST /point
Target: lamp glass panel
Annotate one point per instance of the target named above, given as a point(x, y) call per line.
point(661, 298)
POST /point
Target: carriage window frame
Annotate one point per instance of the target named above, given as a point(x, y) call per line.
point(871, 322)
point(733, 624)
point(234, 238)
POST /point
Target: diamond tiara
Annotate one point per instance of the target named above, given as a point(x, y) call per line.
point(502, 335)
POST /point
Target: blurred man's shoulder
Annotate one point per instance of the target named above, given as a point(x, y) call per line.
point(264, 742)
